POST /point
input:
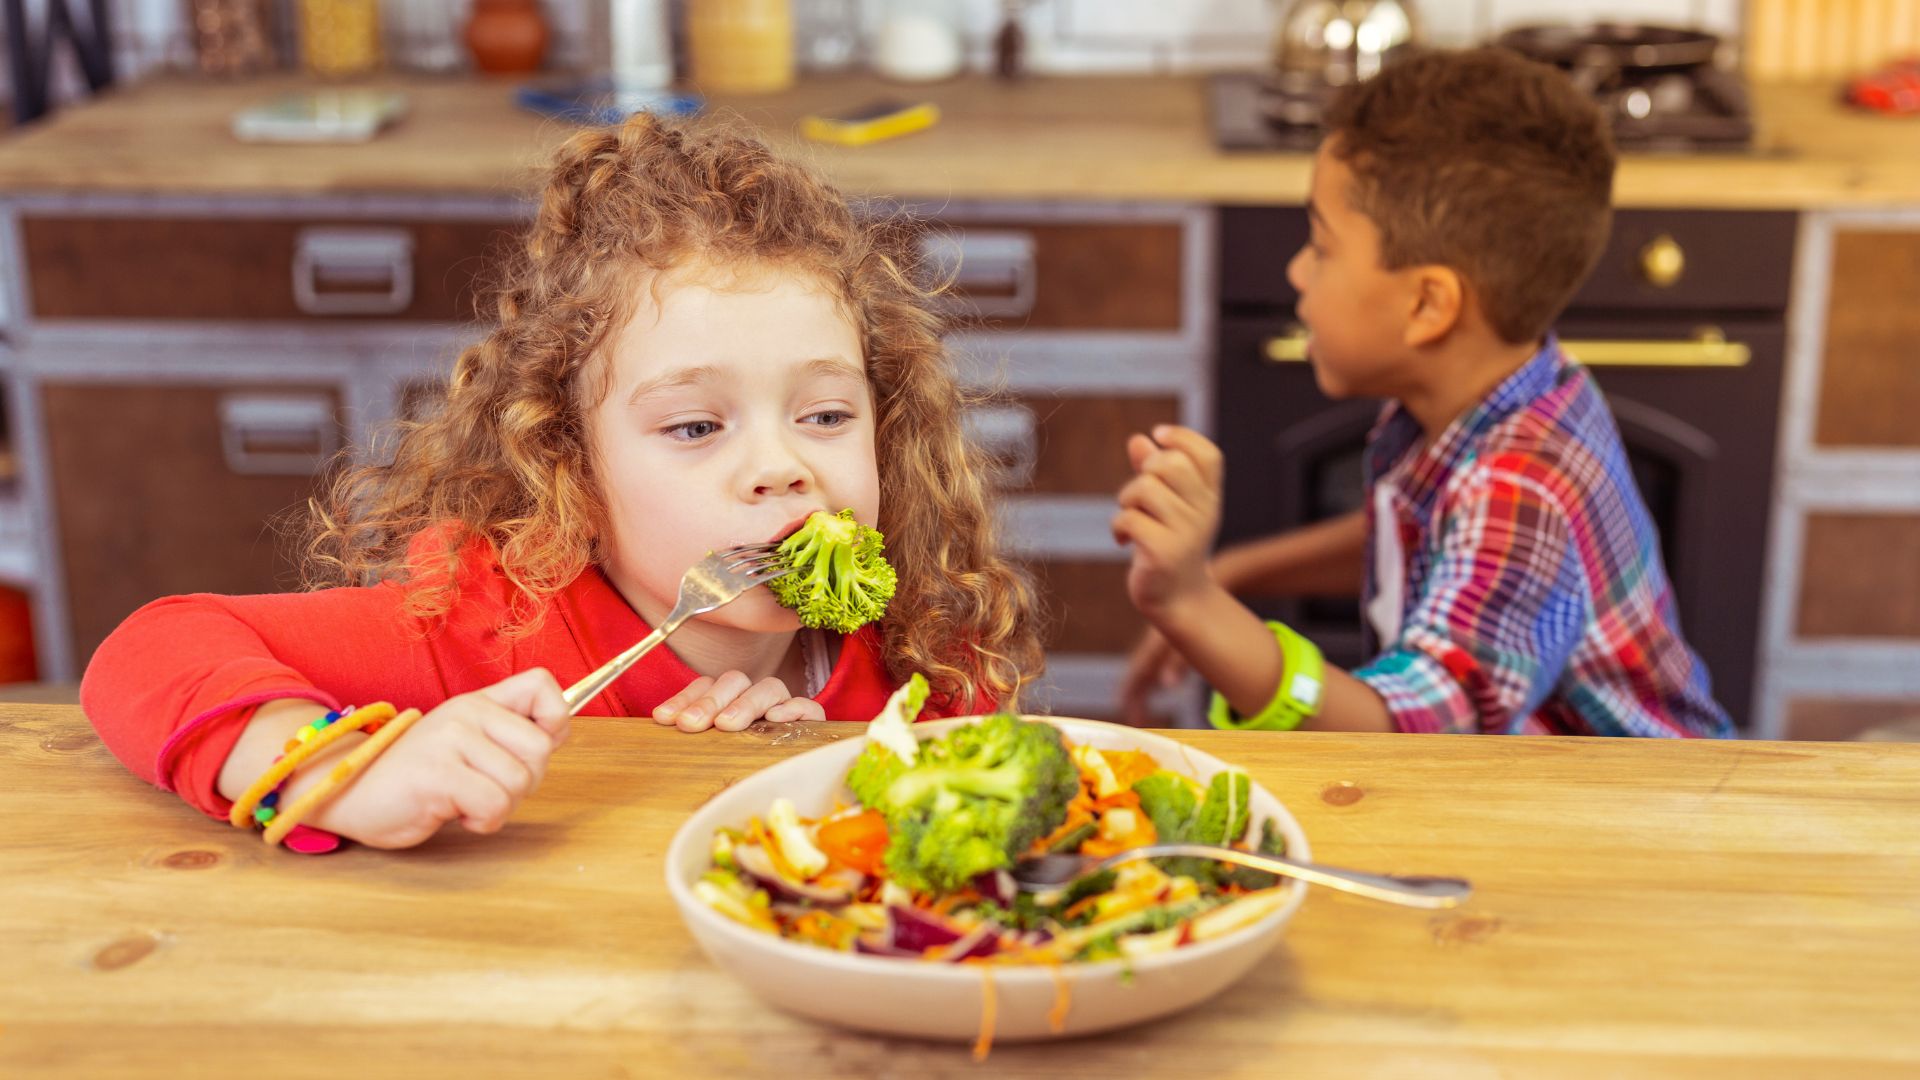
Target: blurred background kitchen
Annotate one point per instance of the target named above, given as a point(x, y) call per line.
point(238, 235)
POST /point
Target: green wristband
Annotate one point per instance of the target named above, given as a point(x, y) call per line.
point(1303, 676)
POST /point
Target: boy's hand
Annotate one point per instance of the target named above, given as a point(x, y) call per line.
point(1169, 512)
point(471, 760)
point(733, 701)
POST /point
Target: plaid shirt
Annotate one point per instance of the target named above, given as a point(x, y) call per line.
point(1534, 600)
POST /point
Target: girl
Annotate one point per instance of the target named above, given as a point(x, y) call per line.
point(700, 345)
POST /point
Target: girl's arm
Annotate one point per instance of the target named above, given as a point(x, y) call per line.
point(176, 686)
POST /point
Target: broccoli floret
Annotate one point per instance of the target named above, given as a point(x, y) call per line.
point(840, 581)
point(974, 801)
point(890, 744)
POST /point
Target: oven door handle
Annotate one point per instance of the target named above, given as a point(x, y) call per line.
point(1707, 348)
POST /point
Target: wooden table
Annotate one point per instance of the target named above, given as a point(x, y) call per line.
point(1643, 908)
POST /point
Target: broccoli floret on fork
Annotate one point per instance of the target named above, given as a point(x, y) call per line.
point(840, 579)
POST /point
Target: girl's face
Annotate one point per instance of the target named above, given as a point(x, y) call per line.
point(737, 404)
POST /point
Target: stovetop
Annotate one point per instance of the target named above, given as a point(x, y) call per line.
point(1703, 111)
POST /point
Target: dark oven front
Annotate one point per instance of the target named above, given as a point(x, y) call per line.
point(1683, 325)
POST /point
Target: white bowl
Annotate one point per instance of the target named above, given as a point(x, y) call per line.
point(929, 1000)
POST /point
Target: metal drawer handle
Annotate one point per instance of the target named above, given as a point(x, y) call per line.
point(1009, 436)
point(342, 271)
point(992, 274)
point(1707, 348)
point(278, 434)
point(1288, 348)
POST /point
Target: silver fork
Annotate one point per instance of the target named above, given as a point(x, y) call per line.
point(1053, 872)
point(718, 579)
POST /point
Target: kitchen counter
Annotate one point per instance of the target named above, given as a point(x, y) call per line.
point(1641, 908)
point(1139, 138)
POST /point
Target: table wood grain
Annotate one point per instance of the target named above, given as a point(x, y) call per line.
point(1643, 908)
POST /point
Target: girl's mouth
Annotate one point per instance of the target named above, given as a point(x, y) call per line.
point(789, 529)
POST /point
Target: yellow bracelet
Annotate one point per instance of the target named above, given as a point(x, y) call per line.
point(338, 776)
point(305, 743)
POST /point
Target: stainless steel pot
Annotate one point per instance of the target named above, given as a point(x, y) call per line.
point(1327, 43)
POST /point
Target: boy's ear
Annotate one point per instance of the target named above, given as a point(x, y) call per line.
point(1439, 299)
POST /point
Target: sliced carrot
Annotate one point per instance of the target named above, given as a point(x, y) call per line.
point(1130, 765)
point(757, 832)
point(1062, 998)
point(989, 1007)
point(858, 841)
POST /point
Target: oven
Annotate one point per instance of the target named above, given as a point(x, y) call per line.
point(1683, 325)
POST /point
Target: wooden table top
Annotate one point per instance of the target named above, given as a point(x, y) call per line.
point(1080, 138)
point(1642, 908)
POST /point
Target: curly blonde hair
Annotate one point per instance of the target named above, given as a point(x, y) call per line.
point(507, 458)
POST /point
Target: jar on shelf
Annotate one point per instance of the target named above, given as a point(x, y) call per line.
point(507, 37)
point(230, 37)
point(339, 38)
point(740, 46)
point(919, 41)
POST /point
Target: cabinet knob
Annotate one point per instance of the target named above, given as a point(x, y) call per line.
point(1662, 261)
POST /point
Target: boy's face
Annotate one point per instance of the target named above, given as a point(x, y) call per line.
point(1354, 310)
point(737, 404)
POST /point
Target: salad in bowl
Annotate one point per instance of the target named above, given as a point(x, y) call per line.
point(867, 883)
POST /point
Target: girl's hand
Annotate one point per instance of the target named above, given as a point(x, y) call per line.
point(733, 701)
point(1169, 512)
point(470, 760)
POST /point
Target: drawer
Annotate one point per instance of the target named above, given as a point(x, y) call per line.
point(1869, 382)
point(1860, 576)
point(163, 489)
point(1065, 444)
point(1655, 260)
point(1062, 275)
point(1087, 606)
point(256, 269)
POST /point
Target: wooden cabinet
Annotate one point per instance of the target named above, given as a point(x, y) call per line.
point(173, 268)
point(183, 370)
point(161, 489)
point(1843, 629)
point(1083, 325)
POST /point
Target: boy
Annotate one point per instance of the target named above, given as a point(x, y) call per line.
point(1513, 581)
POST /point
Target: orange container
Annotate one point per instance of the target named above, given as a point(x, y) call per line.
point(740, 46)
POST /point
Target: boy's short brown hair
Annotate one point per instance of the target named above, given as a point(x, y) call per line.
point(1488, 163)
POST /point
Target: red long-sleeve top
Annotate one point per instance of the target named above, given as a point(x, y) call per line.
point(171, 689)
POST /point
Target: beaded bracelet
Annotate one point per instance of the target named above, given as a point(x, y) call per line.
point(343, 771)
point(259, 803)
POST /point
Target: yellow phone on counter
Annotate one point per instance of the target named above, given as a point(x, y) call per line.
point(871, 123)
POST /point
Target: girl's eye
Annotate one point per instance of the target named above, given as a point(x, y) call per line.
point(830, 418)
point(693, 430)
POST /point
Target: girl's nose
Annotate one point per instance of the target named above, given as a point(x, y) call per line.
point(777, 470)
